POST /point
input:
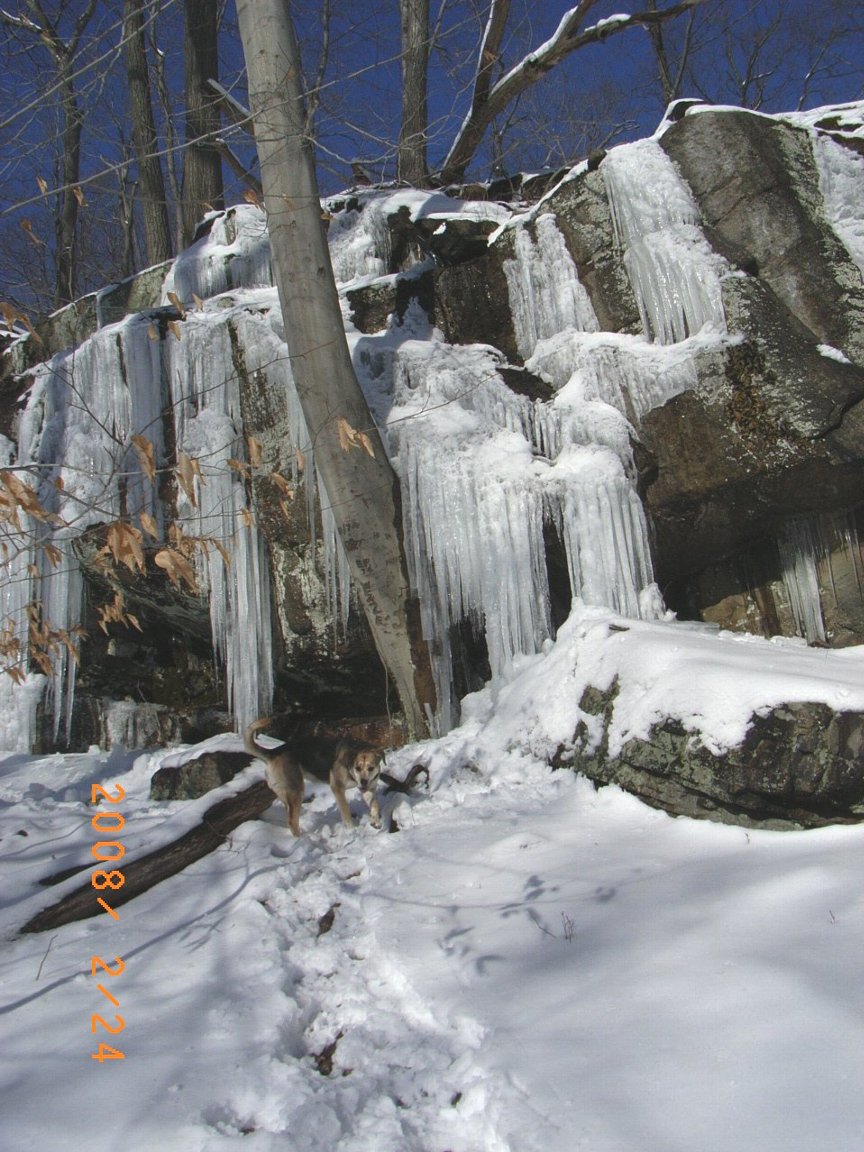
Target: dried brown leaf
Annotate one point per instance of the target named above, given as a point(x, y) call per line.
point(124, 543)
point(353, 438)
point(146, 454)
point(187, 469)
point(284, 485)
point(178, 304)
point(53, 554)
point(223, 552)
point(27, 228)
point(255, 451)
point(177, 568)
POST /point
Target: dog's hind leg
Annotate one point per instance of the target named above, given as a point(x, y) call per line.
point(292, 811)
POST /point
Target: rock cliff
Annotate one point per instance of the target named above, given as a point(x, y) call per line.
point(638, 382)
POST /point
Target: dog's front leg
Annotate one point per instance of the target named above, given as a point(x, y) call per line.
point(338, 790)
point(371, 799)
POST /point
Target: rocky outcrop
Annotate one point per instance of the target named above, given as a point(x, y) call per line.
point(752, 469)
point(800, 765)
point(769, 444)
point(197, 776)
point(756, 185)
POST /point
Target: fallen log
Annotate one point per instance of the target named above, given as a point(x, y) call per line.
point(160, 864)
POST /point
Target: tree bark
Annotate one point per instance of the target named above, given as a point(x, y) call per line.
point(157, 227)
point(202, 165)
point(66, 258)
point(361, 486)
point(411, 164)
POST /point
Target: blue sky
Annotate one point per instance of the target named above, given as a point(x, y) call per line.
point(759, 52)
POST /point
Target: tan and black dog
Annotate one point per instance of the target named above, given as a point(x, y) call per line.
point(342, 764)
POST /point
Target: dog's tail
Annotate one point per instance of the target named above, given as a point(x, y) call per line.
point(251, 745)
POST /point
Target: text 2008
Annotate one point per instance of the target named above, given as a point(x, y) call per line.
point(107, 879)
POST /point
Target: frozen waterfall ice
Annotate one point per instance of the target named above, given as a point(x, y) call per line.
point(488, 477)
point(674, 273)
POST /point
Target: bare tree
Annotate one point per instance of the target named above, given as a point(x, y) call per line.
point(772, 55)
point(34, 22)
point(362, 488)
point(202, 165)
point(157, 228)
point(489, 100)
point(671, 66)
point(411, 152)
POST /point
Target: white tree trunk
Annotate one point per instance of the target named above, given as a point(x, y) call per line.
point(362, 488)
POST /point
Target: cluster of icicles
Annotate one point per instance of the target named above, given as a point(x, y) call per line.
point(484, 472)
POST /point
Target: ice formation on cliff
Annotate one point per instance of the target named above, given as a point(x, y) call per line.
point(674, 273)
point(486, 474)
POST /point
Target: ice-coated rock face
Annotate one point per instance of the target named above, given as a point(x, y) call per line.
point(647, 382)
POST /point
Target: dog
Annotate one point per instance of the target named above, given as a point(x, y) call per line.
point(342, 764)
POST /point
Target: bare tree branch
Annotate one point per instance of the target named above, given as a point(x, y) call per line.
point(568, 38)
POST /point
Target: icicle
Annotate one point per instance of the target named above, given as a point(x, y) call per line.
point(80, 413)
point(477, 492)
point(234, 254)
point(841, 176)
point(546, 295)
point(132, 724)
point(674, 272)
point(604, 530)
point(208, 428)
point(798, 554)
point(18, 700)
point(359, 240)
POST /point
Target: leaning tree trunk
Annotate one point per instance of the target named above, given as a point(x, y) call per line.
point(157, 227)
point(202, 161)
point(411, 157)
point(360, 484)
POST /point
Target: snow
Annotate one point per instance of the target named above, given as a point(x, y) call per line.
point(528, 964)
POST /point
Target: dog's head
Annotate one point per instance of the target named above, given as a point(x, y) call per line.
point(365, 769)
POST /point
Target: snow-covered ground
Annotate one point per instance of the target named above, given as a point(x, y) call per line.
point(528, 965)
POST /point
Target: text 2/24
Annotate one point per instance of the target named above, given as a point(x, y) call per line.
point(104, 879)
